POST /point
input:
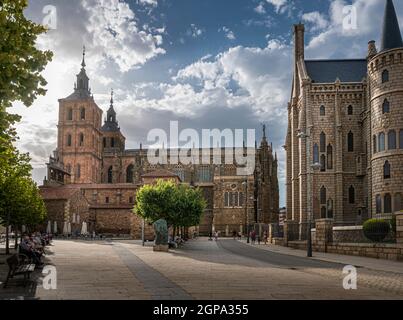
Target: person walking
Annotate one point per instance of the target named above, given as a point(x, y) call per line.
point(253, 236)
point(216, 236)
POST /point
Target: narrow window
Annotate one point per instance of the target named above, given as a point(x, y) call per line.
point(110, 174)
point(401, 139)
point(386, 107)
point(70, 114)
point(131, 200)
point(78, 173)
point(398, 204)
point(323, 163)
point(81, 139)
point(378, 204)
point(350, 110)
point(107, 200)
point(315, 154)
point(226, 199)
point(350, 142)
point(322, 111)
point(104, 142)
point(330, 209)
point(374, 142)
point(323, 195)
point(322, 142)
point(381, 142)
point(113, 143)
point(385, 76)
point(69, 140)
point(351, 195)
point(82, 113)
point(129, 174)
point(68, 168)
point(388, 203)
point(392, 140)
point(329, 157)
point(386, 170)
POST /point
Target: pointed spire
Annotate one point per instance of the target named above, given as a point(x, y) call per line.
point(111, 98)
point(83, 62)
point(391, 36)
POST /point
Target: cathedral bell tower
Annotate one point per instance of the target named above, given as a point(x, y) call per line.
point(79, 135)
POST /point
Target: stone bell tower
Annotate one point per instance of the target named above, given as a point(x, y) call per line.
point(79, 135)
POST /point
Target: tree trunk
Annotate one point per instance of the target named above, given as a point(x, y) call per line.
point(7, 237)
point(15, 238)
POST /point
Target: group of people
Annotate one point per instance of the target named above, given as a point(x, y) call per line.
point(253, 235)
point(34, 245)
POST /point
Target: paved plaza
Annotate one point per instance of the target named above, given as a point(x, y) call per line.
point(201, 269)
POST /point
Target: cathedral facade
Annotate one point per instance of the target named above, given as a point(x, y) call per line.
point(345, 133)
point(92, 177)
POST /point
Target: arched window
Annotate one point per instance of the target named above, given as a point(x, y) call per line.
point(392, 140)
point(378, 204)
point(387, 203)
point(381, 142)
point(398, 204)
point(386, 107)
point(70, 114)
point(322, 142)
point(401, 139)
point(322, 111)
point(351, 195)
point(374, 142)
point(330, 209)
point(78, 171)
point(385, 76)
point(323, 195)
point(386, 170)
point(329, 157)
point(350, 110)
point(129, 174)
point(112, 142)
point(81, 139)
point(69, 140)
point(110, 174)
point(82, 113)
point(315, 153)
point(323, 163)
point(350, 142)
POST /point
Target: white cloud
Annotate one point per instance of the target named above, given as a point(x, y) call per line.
point(316, 19)
point(194, 31)
point(260, 9)
point(228, 33)
point(278, 4)
point(115, 35)
point(153, 3)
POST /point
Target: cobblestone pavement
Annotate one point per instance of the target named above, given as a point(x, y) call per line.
point(200, 270)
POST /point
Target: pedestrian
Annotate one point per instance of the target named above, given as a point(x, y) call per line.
point(239, 235)
point(210, 238)
point(216, 236)
point(253, 236)
point(234, 234)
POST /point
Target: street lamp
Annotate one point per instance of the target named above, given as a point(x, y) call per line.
point(245, 183)
point(314, 167)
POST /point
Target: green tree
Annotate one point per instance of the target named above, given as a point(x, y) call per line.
point(21, 64)
point(181, 206)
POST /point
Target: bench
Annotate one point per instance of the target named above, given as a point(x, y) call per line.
point(19, 264)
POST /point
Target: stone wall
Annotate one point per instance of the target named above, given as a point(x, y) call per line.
point(349, 234)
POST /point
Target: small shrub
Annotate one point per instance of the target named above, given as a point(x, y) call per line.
point(376, 229)
point(393, 224)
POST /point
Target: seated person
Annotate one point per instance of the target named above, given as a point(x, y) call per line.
point(27, 247)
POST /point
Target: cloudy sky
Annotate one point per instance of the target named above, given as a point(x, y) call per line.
point(206, 63)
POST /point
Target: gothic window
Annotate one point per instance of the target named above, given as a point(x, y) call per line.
point(69, 140)
point(106, 199)
point(351, 195)
point(378, 204)
point(381, 142)
point(330, 209)
point(322, 142)
point(387, 203)
point(315, 153)
point(113, 143)
point(82, 113)
point(129, 174)
point(322, 111)
point(386, 107)
point(350, 142)
point(226, 199)
point(392, 140)
point(350, 110)
point(104, 142)
point(386, 170)
point(70, 114)
point(398, 204)
point(323, 163)
point(323, 195)
point(401, 139)
point(240, 201)
point(110, 174)
point(205, 174)
point(81, 139)
point(329, 157)
point(78, 173)
point(385, 76)
point(374, 142)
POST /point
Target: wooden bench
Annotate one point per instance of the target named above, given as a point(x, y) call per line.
point(19, 264)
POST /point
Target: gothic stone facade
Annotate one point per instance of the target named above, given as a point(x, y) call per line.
point(346, 116)
point(92, 158)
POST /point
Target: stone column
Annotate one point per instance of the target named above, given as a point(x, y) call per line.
point(290, 231)
point(399, 228)
point(323, 234)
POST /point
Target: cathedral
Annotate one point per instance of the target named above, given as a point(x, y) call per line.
point(345, 133)
point(93, 178)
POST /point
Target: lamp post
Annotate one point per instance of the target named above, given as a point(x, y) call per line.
point(314, 167)
point(245, 183)
point(143, 225)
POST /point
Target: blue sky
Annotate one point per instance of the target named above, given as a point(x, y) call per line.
point(206, 63)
